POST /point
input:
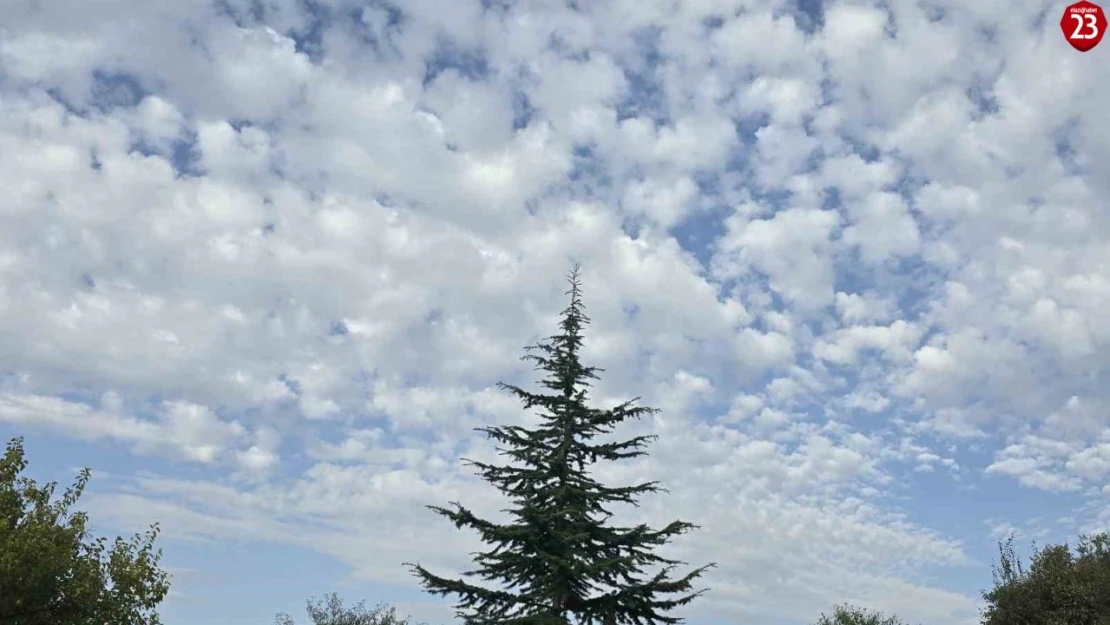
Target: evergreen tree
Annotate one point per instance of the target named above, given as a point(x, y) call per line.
point(558, 557)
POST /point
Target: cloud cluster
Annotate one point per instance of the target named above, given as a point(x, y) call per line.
point(843, 244)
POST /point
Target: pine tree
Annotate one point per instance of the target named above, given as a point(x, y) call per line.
point(557, 557)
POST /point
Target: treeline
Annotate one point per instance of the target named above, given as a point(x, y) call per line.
point(544, 563)
point(53, 572)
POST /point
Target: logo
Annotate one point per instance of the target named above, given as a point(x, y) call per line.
point(1083, 24)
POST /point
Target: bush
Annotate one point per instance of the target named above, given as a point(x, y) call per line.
point(330, 610)
point(852, 615)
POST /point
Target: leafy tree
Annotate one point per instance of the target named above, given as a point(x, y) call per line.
point(330, 611)
point(852, 615)
point(558, 557)
point(1059, 588)
point(53, 573)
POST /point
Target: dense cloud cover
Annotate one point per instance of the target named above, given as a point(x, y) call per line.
point(269, 258)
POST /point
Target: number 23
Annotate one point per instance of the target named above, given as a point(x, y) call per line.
point(1090, 22)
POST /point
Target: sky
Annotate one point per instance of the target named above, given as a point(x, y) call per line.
point(263, 263)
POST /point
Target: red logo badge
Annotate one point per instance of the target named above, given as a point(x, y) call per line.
point(1083, 24)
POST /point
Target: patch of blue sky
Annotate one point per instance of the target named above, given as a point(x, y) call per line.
point(378, 24)
point(243, 13)
point(698, 233)
point(523, 111)
point(936, 500)
point(644, 96)
point(57, 457)
point(309, 39)
point(184, 155)
point(773, 199)
point(1064, 138)
point(181, 152)
point(198, 39)
point(558, 44)
point(713, 22)
point(112, 90)
point(106, 91)
point(222, 576)
point(70, 102)
point(750, 281)
point(982, 96)
point(809, 15)
point(935, 12)
point(911, 281)
point(470, 63)
point(748, 125)
point(374, 24)
point(867, 151)
point(497, 6)
point(335, 430)
point(591, 178)
point(987, 33)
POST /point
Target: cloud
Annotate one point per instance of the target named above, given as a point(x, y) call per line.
point(854, 251)
point(793, 248)
point(193, 432)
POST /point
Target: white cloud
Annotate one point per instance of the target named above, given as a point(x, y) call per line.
point(193, 432)
point(896, 342)
point(855, 308)
point(836, 258)
point(882, 227)
point(762, 43)
point(793, 248)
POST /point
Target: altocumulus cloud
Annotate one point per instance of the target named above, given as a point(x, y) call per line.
point(265, 260)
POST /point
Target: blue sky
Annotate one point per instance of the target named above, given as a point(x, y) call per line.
point(263, 262)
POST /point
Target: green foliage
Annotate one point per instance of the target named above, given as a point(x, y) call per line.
point(330, 611)
point(52, 572)
point(558, 556)
point(852, 615)
point(1059, 588)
